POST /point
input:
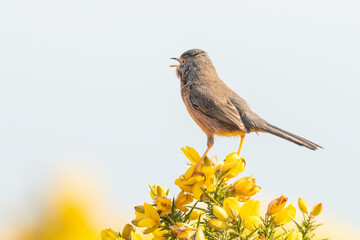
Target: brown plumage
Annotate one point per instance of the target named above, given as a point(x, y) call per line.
point(216, 108)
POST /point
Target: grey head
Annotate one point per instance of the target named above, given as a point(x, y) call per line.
point(194, 63)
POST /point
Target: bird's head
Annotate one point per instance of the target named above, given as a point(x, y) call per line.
point(192, 60)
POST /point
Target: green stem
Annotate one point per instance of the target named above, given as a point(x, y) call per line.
point(198, 208)
point(192, 208)
point(170, 220)
point(211, 197)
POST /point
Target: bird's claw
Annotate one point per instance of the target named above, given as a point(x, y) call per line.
point(197, 172)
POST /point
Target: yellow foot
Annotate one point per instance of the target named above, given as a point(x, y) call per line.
point(241, 143)
point(197, 172)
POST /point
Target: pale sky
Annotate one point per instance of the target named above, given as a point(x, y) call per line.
point(87, 84)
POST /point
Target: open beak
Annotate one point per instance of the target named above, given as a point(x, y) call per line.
point(176, 60)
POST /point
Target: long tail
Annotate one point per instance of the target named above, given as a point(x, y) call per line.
point(290, 137)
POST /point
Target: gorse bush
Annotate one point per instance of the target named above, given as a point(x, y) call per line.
point(209, 207)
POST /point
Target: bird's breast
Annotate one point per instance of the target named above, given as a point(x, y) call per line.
point(195, 114)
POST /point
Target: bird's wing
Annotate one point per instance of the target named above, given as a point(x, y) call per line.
point(216, 106)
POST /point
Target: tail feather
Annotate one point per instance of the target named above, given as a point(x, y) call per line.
point(290, 137)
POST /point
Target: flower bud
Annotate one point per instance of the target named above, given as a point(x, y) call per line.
point(126, 231)
point(108, 234)
point(157, 191)
point(199, 234)
point(246, 187)
point(219, 212)
point(137, 220)
point(316, 209)
point(217, 224)
point(140, 209)
point(233, 165)
point(294, 235)
point(303, 206)
point(232, 207)
point(285, 215)
point(276, 205)
point(250, 208)
point(194, 215)
point(252, 222)
point(205, 198)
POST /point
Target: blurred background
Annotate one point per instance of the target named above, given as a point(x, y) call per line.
point(90, 111)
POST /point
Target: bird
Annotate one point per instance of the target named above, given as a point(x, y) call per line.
point(217, 109)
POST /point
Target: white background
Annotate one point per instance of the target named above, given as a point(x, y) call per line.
point(86, 84)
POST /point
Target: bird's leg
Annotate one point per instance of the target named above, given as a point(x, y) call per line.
point(241, 143)
point(196, 171)
point(210, 143)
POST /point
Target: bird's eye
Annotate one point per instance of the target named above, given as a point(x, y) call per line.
point(183, 61)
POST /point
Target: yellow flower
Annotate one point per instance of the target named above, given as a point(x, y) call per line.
point(294, 235)
point(316, 209)
point(276, 205)
point(126, 231)
point(232, 165)
point(200, 234)
point(182, 231)
point(217, 224)
point(135, 236)
point(303, 206)
point(232, 207)
point(157, 191)
point(252, 222)
point(183, 199)
point(158, 234)
point(109, 234)
point(193, 184)
point(219, 212)
point(250, 208)
point(163, 204)
point(182, 184)
point(191, 154)
point(285, 215)
point(150, 219)
point(246, 187)
point(194, 215)
point(250, 213)
point(210, 179)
